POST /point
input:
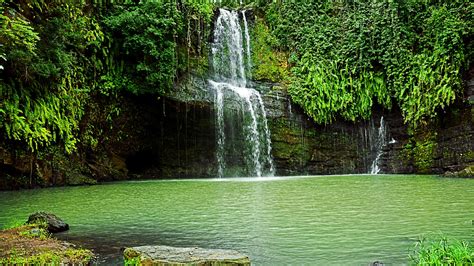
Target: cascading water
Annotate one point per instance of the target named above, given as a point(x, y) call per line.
point(247, 40)
point(242, 134)
point(380, 142)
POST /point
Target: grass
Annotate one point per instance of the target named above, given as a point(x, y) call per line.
point(69, 256)
point(132, 261)
point(442, 252)
point(35, 231)
point(32, 244)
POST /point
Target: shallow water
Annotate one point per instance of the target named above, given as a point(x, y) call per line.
point(320, 220)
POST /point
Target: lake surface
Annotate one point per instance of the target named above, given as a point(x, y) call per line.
point(349, 220)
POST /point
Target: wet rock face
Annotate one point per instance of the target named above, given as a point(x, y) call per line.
point(165, 255)
point(445, 145)
point(171, 139)
point(178, 139)
point(299, 146)
point(55, 224)
point(175, 137)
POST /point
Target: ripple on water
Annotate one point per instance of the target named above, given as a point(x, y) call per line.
point(352, 219)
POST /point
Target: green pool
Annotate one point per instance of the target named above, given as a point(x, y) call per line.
point(353, 219)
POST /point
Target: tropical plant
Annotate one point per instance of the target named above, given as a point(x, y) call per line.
point(442, 252)
point(349, 55)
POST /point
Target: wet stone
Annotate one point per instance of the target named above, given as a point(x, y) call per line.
point(166, 255)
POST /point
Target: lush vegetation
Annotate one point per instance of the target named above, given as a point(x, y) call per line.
point(57, 58)
point(65, 67)
point(344, 57)
point(268, 63)
point(348, 56)
point(442, 252)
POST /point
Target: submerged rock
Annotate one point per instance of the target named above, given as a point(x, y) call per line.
point(55, 224)
point(165, 255)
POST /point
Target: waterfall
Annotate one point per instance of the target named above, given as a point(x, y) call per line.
point(247, 40)
point(219, 103)
point(380, 142)
point(242, 134)
point(268, 142)
point(227, 49)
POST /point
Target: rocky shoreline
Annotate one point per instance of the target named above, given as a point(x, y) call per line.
point(33, 243)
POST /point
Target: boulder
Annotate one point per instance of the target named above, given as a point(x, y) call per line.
point(165, 255)
point(55, 224)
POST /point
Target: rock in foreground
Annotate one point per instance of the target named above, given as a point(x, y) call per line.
point(165, 255)
point(55, 224)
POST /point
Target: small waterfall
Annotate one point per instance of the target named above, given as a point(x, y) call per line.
point(380, 142)
point(247, 40)
point(219, 103)
point(242, 134)
point(267, 140)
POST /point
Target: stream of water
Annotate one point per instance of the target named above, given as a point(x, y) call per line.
point(378, 145)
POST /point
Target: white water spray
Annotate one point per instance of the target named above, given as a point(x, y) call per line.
point(249, 126)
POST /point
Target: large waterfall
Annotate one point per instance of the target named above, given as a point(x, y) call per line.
point(242, 137)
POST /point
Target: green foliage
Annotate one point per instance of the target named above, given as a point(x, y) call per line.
point(431, 77)
point(347, 55)
point(268, 64)
point(132, 261)
point(57, 59)
point(38, 232)
point(41, 255)
point(43, 122)
point(71, 256)
point(148, 37)
point(44, 81)
point(325, 91)
point(198, 9)
point(16, 32)
point(65, 65)
point(145, 34)
point(442, 252)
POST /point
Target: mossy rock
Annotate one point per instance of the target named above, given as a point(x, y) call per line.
point(53, 222)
